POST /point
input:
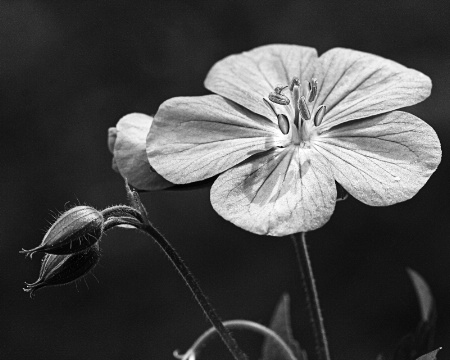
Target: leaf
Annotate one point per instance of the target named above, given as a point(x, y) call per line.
point(423, 294)
point(430, 355)
point(421, 339)
point(281, 324)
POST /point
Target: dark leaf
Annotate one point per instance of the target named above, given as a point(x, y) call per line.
point(423, 294)
point(281, 324)
point(419, 341)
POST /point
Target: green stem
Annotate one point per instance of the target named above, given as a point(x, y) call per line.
point(312, 297)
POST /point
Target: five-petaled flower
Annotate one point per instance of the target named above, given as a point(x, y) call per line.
point(286, 125)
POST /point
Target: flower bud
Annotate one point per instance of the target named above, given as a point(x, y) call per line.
point(128, 143)
point(74, 231)
point(63, 269)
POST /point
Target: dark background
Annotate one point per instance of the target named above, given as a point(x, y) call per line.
point(71, 69)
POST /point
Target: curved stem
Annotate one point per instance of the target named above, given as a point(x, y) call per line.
point(238, 324)
point(121, 210)
point(312, 297)
point(193, 285)
point(147, 227)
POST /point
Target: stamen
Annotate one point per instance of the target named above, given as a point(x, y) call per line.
point(313, 90)
point(277, 97)
point(304, 111)
point(295, 82)
point(320, 113)
point(283, 123)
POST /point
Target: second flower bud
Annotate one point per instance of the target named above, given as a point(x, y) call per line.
point(75, 230)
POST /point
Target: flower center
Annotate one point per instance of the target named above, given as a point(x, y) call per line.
point(296, 111)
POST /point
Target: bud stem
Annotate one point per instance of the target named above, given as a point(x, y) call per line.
point(187, 276)
point(121, 210)
point(312, 297)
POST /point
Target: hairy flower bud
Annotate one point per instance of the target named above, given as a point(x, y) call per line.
point(75, 230)
point(64, 269)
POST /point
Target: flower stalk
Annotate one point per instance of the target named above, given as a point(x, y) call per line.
point(312, 298)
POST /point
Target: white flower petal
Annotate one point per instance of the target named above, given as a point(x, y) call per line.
point(194, 138)
point(382, 160)
point(248, 77)
point(355, 85)
point(278, 193)
point(130, 155)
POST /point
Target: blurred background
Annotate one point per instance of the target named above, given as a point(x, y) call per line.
point(71, 69)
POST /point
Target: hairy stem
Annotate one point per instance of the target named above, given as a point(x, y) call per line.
point(312, 297)
point(193, 285)
point(146, 226)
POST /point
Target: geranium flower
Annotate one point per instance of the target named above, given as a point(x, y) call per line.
point(286, 125)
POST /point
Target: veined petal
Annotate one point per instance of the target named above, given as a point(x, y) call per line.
point(248, 77)
point(355, 85)
point(194, 138)
point(382, 160)
point(130, 155)
point(278, 193)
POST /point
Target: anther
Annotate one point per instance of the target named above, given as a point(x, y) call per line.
point(313, 90)
point(277, 97)
point(306, 88)
point(303, 107)
point(320, 113)
point(283, 123)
